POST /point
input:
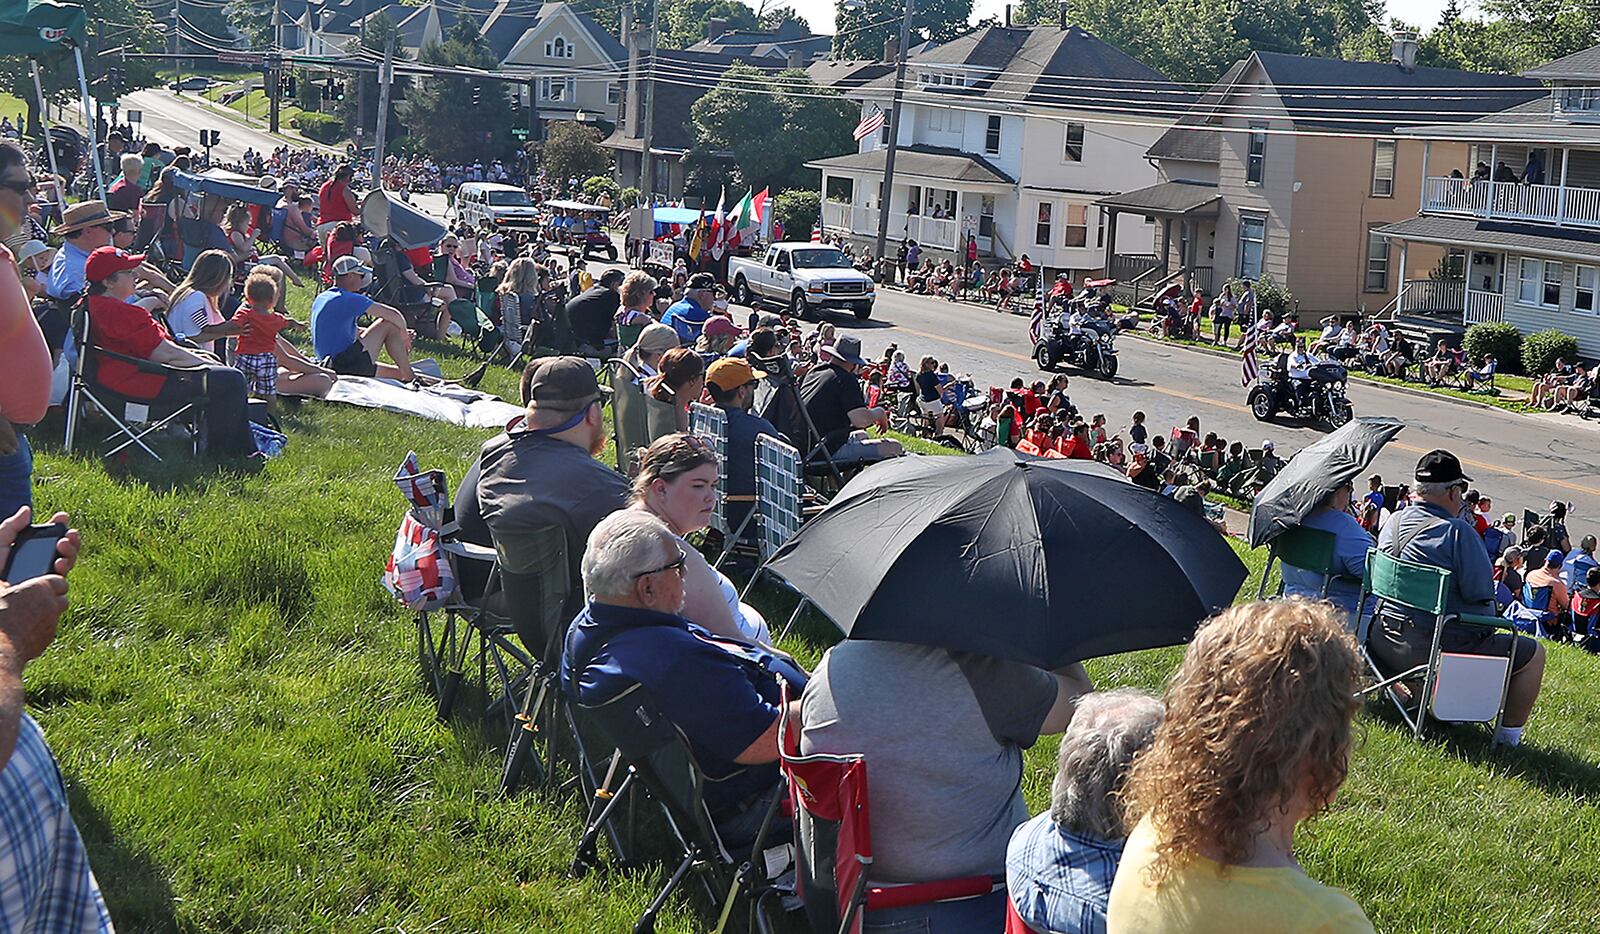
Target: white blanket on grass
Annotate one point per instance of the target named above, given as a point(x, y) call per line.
point(457, 405)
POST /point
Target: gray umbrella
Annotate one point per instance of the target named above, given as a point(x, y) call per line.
point(1316, 471)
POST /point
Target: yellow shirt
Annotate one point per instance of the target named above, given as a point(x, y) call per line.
point(1199, 899)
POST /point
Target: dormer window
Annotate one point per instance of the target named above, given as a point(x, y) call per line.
point(558, 47)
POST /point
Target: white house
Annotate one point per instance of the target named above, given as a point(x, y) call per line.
point(1010, 134)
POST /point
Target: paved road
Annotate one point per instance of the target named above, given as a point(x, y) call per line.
point(174, 121)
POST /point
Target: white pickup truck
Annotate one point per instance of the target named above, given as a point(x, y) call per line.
point(807, 277)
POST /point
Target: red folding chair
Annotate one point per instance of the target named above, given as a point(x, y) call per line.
point(834, 841)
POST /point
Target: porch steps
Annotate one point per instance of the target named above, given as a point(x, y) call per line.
point(1427, 330)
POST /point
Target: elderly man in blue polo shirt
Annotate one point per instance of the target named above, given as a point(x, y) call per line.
point(1433, 533)
point(723, 696)
point(688, 317)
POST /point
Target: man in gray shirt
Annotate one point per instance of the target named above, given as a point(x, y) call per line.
point(1431, 532)
point(943, 734)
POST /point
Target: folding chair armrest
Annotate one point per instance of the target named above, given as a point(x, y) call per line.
point(880, 898)
point(147, 366)
point(1493, 621)
point(470, 551)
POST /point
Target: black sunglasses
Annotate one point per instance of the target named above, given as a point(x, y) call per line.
point(677, 565)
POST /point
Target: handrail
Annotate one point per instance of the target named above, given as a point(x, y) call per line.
point(1160, 284)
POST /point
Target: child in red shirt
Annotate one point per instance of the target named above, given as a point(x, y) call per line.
point(255, 354)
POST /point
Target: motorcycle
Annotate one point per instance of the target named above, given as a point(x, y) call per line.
point(1093, 349)
point(1323, 397)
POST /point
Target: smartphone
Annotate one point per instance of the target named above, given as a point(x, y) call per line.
point(33, 554)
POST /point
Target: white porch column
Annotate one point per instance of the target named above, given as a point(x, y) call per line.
point(1422, 193)
point(1561, 196)
point(1400, 290)
point(1494, 163)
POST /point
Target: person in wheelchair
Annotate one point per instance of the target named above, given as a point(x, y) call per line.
point(722, 695)
point(1431, 532)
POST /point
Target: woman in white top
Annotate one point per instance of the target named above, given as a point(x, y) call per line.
point(677, 482)
point(195, 313)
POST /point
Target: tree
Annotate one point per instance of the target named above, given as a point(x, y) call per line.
point(359, 109)
point(773, 124)
point(798, 210)
point(1549, 29)
point(1475, 45)
point(774, 18)
point(572, 150)
point(460, 118)
point(683, 22)
point(112, 23)
point(863, 32)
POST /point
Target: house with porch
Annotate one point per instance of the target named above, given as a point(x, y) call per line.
point(1289, 166)
point(1011, 135)
point(1514, 200)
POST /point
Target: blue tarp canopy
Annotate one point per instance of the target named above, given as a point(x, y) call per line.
point(684, 216)
point(223, 188)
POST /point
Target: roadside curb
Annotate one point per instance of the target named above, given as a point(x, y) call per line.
point(1402, 390)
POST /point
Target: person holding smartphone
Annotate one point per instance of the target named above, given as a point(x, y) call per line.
point(47, 880)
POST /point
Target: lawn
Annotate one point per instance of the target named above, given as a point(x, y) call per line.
point(237, 710)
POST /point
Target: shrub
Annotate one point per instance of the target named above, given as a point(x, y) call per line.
point(324, 128)
point(1498, 339)
point(1540, 350)
point(798, 209)
point(628, 197)
point(597, 186)
point(1270, 296)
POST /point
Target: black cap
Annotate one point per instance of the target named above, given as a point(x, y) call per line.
point(1439, 466)
point(702, 280)
point(561, 384)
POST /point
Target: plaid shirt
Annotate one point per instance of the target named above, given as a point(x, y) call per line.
point(46, 885)
point(1060, 882)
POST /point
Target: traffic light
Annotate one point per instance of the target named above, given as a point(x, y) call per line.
point(338, 91)
point(516, 102)
point(477, 95)
point(327, 91)
point(209, 138)
point(289, 87)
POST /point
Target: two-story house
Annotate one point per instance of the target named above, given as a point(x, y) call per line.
point(1289, 166)
point(1514, 198)
point(1011, 134)
point(576, 64)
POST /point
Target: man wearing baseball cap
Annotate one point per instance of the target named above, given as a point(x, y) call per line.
point(832, 396)
point(335, 340)
point(732, 384)
point(1431, 532)
point(688, 316)
point(541, 471)
point(121, 327)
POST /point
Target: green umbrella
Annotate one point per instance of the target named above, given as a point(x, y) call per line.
point(32, 27)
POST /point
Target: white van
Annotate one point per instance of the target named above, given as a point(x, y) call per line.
point(507, 207)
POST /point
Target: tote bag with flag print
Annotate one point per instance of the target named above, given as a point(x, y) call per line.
point(417, 572)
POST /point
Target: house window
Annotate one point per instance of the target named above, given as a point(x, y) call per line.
point(1256, 161)
point(991, 138)
point(1539, 283)
point(1377, 261)
point(1550, 293)
point(558, 47)
point(883, 134)
point(1583, 295)
point(1252, 245)
point(1041, 231)
point(1076, 228)
point(1528, 281)
point(986, 216)
point(1073, 151)
point(614, 94)
point(557, 89)
point(1100, 229)
point(1383, 168)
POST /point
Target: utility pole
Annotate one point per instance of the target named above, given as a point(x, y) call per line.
point(177, 43)
point(385, 79)
point(646, 163)
point(272, 81)
point(887, 194)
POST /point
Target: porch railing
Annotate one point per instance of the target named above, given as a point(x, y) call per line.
point(1483, 307)
point(936, 232)
point(1549, 204)
point(1432, 296)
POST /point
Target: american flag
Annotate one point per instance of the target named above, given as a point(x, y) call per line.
point(871, 122)
point(1036, 320)
point(1249, 368)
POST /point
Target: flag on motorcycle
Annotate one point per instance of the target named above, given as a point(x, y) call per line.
point(1036, 321)
point(816, 232)
point(1249, 369)
point(872, 120)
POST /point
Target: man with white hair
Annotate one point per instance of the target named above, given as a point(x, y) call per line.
point(1060, 864)
point(722, 695)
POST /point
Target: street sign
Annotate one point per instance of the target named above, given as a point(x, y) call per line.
point(240, 58)
point(134, 116)
point(519, 133)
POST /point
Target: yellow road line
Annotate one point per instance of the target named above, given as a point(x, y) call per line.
point(1235, 407)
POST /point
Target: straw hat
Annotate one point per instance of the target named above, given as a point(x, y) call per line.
point(87, 214)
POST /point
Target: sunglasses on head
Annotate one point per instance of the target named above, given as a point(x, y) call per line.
point(677, 565)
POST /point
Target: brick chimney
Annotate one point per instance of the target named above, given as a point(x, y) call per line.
point(1063, 15)
point(891, 49)
point(715, 27)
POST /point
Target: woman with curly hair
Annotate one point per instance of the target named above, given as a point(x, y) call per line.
point(1256, 740)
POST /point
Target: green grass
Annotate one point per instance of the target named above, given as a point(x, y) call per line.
point(248, 745)
point(256, 106)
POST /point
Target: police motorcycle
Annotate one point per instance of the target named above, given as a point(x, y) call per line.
point(1320, 396)
point(1080, 333)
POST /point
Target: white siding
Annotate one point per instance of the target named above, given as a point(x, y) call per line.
point(1531, 318)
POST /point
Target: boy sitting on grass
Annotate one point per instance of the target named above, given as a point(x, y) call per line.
point(254, 354)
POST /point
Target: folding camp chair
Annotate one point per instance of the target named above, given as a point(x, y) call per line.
point(1532, 614)
point(135, 419)
point(629, 428)
point(628, 335)
point(833, 845)
point(1304, 548)
point(1456, 687)
point(658, 761)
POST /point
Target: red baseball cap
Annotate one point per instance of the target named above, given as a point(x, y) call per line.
point(107, 261)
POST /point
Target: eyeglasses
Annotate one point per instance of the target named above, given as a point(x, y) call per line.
point(677, 565)
point(698, 444)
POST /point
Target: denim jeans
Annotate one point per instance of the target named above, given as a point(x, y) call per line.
point(16, 478)
point(961, 916)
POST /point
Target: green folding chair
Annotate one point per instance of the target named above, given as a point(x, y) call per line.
point(1300, 547)
point(628, 335)
point(629, 425)
point(1456, 687)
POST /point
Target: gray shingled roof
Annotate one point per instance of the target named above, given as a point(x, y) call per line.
point(1166, 198)
point(1183, 142)
point(1530, 238)
point(1525, 123)
point(1417, 92)
point(846, 74)
point(1585, 64)
point(924, 161)
point(1048, 66)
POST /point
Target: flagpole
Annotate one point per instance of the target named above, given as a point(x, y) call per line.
point(887, 194)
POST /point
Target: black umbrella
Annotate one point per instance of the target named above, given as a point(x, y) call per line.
point(1041, 561)
point(1316, 471)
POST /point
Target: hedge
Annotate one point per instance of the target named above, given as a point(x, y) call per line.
point(1498, 339)
point(324, 128)
point(1540, 350)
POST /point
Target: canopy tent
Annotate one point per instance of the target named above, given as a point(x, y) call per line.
point(37, 27)
point(574, 206)
point(224, 187)
point(680, 216)
point(387, 216)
